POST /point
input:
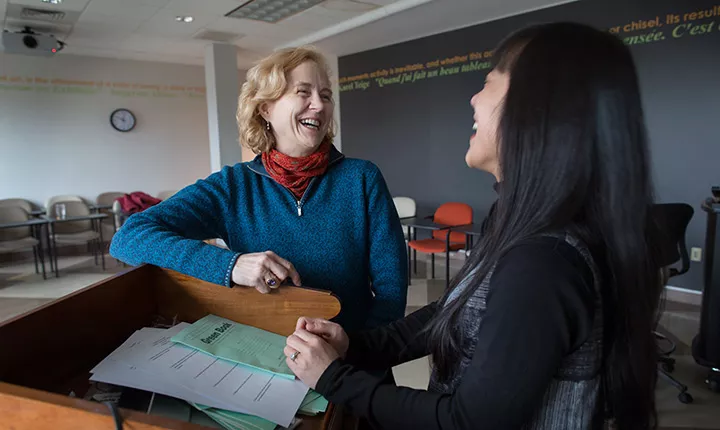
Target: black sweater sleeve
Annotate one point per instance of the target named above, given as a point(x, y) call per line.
point(540, 307)
point(399, 342)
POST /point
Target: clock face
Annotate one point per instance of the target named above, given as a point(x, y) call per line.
point(122, 120)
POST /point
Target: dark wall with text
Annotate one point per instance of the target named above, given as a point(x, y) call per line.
point(406, 107)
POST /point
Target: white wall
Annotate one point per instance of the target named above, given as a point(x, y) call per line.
point(55, 136)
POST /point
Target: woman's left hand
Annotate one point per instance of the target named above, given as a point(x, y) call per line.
point(313, 358)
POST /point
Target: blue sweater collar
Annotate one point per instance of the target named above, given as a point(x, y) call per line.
point(257, 166)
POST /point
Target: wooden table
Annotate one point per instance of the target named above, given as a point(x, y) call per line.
point(48, 352)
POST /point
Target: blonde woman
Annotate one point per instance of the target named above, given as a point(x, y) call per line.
point(300, 212)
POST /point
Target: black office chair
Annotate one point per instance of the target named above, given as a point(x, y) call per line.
point(672, 221)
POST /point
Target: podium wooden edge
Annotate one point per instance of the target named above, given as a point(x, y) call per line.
point(27, 408)
point(173, 274)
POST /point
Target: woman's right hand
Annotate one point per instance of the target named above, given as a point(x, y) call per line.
point(330, 332)
point(264, 271)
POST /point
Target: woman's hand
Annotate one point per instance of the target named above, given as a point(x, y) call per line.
point(330, 332)
point(312, 356)
point(264, 271)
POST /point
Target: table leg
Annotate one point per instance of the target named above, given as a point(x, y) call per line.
point(409, 270)
point(54, 251)
point(101, 245)
point(415, 252)
point(41, 251)
point(432, 259)
point(46, 231)
point(447, 260)
point(35, 258)
point(93, 243)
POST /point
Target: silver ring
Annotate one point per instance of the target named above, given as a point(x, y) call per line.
point(271, 282)
point(294, 355)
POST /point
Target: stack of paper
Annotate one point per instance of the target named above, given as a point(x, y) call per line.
point(234, 420)
point(150, 361)
point(312, 404)
point(239, 343)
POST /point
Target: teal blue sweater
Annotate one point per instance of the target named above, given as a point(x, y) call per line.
point(343, 236)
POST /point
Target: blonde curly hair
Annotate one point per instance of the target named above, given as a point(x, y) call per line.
point(267, 82)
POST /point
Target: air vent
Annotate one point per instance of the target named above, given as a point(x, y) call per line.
point(217, 36)
point(271, 10)
point(41, 14)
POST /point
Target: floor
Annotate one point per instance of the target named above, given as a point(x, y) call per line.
point(21, 290)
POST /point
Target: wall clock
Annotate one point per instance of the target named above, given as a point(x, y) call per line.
point(122, 120)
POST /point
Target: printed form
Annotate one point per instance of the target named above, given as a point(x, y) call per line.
point(225, 384)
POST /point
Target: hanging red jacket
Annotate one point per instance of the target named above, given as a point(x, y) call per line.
point(136, 202)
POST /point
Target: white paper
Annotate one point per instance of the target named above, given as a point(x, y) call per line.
point(240, 388)
point(116, 372)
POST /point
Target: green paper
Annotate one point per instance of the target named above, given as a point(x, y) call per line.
point(239, 343)
point(313, 404)
point(236, 421)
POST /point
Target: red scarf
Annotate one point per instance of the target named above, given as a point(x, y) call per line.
point(295, 173)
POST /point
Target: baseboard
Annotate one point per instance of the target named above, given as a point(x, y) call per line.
point(683, 295)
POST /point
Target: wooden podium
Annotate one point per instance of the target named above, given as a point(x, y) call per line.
point(47, 353)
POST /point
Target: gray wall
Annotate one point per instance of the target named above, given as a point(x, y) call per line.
point(418, 133)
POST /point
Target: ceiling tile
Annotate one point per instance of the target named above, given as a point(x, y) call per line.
point(310, 20)
point(163, 23)
point(118, 10)
point(339, 14)
point(347, 5)
point(67, 5)
point(101, 25)
point(243, 26)
point(207, 7)
point(131, 3)
point(257, 28)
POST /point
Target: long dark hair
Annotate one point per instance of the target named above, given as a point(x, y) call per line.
point(573, 156)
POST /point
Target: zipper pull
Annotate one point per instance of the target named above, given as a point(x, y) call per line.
point(299, 208)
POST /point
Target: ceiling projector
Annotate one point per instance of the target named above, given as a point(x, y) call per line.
point(28, 42)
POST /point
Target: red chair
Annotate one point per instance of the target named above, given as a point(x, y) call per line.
point(448, 214)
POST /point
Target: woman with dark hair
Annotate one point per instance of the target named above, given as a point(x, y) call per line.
point(549, 324)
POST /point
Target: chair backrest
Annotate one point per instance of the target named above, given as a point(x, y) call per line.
point(452, 214)
point(11, 214)
point(164, 195)
point(50, 203)
point(72, 208)
point(405, 207)
point(108, 198)
point(671, 221)
point(22, 203)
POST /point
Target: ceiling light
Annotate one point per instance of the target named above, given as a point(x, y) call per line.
point(52, 1)
point(271, 10)
point(186, 19)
